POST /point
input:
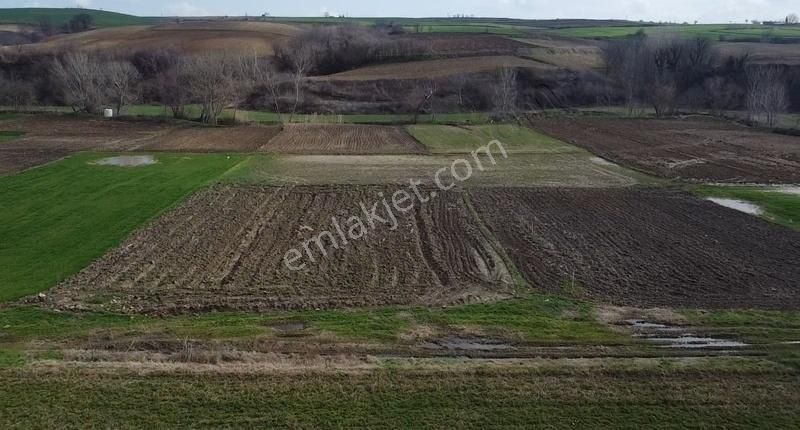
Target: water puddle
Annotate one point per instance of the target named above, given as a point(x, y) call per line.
point(787, 190)
point(291, 326)
point(739, 205)
point(602, 161)
point(467, 344)
point(666, 336)
point(127, 161)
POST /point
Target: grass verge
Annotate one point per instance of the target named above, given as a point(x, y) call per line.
point(58, 218)
point(779, 207)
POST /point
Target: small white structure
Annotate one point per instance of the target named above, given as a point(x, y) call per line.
point(108, 113)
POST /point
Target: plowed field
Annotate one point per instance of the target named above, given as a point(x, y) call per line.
point(224, 249)
point(695, 149)
point(644, 247)
point(219, 139)
point(346, 139)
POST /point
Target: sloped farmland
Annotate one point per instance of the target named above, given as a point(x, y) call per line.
point(345, 139)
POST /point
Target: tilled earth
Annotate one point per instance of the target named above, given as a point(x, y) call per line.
point(343, 139)
point(213, 139)
point(51, 137)
point(698, 149)
point(224, 249)
point(643, 247)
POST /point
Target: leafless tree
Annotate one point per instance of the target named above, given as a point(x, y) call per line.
point(302, 60)
point(792, 18)
point(212, 80)
point(123, 82)
point(421, 94)
point(767, 93)
point(80, 81)
point(505, 93)
point(16, 92)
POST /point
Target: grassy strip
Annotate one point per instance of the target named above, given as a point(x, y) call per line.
point(753, 326)
point(535, 319)
point(6, 136)
point(271, 117)
point(449, 140)
point(58, 218)
point(652, 397)
point(779, 207)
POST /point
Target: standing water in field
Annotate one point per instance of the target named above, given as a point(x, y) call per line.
point(739, 205)
point(127, 161)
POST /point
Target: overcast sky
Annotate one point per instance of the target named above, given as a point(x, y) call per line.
point(704, 11)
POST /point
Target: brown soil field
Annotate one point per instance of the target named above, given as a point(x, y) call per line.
point(570, 54)
point(51, 137)
point(218, 139)
point(643, 247)
point(343, 139)
point(434, 68)
point(466, 45)
point(763, 53)
point(223, 249)
point(186, 37)
point(699, 149)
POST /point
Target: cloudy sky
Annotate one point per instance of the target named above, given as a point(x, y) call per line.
point(705, 11)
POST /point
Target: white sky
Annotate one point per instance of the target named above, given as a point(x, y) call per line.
point(704, 11)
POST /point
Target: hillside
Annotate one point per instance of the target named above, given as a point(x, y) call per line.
point(59, 16)
point(189, 37)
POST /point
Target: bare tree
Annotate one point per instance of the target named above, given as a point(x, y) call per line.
point(80, 81)
point(123, 83)
point(767, 93)
point(301, 64)
point(421, 93)
point(792, 18)
point(505, 93)
point(16, 92)
point(212, 81)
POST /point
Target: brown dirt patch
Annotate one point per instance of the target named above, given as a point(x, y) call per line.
point(191, 37)
point(700, 149)
point(345, 139)
point(435, 68)
point(644, 247)
point(51, 137)
point(216, 139)
point(224, 249)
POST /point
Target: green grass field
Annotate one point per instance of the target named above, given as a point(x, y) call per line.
point(459, 140)
point(59, 217)
point(60, 16)
point(6, 136)
point(659, 395)
point(779, 207)
point(730, 32)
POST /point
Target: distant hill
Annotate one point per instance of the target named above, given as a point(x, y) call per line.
point(59, 16)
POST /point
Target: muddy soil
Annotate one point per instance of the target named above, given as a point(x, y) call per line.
point(643, 247)
point(224, 249)
point(345, 139)
point(697, 149)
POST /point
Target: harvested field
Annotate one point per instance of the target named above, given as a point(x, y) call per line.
point(434, 68)
point(343, 139)
point(643, 247)
point(460, 45)
point(216, 139)
point(224, 249)
point(190, 37)
point(48, 138)
point(699, 149)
